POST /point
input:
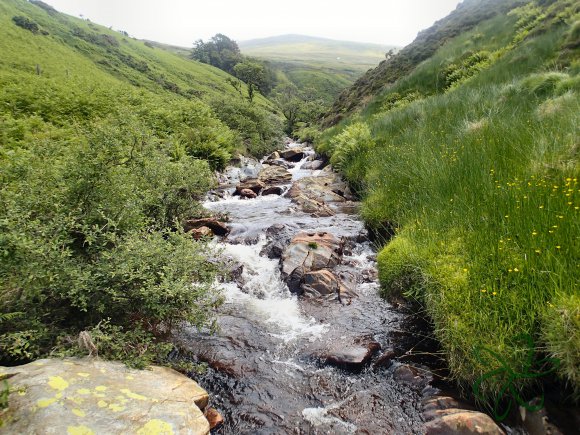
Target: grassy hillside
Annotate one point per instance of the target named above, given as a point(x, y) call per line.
point(326, 65)
point(106, 147)
point(468, 158)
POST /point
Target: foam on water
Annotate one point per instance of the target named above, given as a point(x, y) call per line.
point(263, 292)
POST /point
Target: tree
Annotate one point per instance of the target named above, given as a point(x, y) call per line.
point(252, 73)
point(288, 99)
point(220, 51)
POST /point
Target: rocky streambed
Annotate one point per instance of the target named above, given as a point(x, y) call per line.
point(305, 342)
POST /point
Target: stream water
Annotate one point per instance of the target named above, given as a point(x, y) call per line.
point(267, 373)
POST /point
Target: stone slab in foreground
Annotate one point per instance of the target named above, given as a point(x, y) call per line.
point(91, 396)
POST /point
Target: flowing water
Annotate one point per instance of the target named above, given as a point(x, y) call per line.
point(267, 371)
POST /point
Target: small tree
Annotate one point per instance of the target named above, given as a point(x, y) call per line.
point(252, 74)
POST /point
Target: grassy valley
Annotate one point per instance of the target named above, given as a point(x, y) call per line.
point(464, 149)
point(326, 65)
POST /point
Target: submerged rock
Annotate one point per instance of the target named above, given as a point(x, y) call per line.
point(89, 395)
point(351, 356)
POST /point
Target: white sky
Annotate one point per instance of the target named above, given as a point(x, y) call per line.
point(181, 22)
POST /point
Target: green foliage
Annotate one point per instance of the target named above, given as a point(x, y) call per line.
point(26, 23)
point(481, 182)
point(355, 140)
point(260, 131)
point(312, 245)
point(456, 73)
point(220, 51)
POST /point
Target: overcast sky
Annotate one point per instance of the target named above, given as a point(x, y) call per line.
point(181, 22)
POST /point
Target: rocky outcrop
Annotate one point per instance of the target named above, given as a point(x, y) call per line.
point(309, 252)
point(292, 154)
point(88, 395)
point(216, 226)
point(272, 175)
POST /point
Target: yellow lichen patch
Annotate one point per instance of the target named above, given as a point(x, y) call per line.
point(100, 395)
point(43, 403)
point(38, 363)
point(101, 388)
point(129, 377)
point(121, 399)
point(156, 427)
point(79, 430)
point(57, 383)
point(84, 375)
point(68, 363)
point(21, 392)
point(58, 395)
point(102, 404)
point(115, 407)
point(84, 391)
point(76, 400)
point(132, 395)
point(79, 412)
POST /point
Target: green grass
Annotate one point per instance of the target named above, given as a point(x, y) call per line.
point(481, 181)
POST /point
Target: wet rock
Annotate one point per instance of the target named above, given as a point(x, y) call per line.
point(252, 184)
point(198, 233)
point(460, 421)
point(89, 395)
point(537, 422)
point(282, 163)
point(248, 193)
point(313, 165)
point(351, 356)
point(327, 188)
point(385, 359)
point(274, 175)
point(313, 207)
point(320, 283)
point(309, 252)
point(272, 190)
point(293, 154)
point(361, 410)
point(439, 403)
point(214, 418)
point(274, 156)
point(217, 227)
point(408, 374)
point(232, 271)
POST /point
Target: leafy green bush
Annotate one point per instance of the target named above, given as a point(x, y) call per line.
point(86, 235)
point(260, 131)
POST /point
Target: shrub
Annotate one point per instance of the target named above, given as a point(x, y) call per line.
point(26, 23)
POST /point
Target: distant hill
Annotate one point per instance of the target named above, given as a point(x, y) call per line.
point(326, 65)
point(316, 51)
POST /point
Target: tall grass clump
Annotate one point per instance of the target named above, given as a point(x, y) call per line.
point(481, 182)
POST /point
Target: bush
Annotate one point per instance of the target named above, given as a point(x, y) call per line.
point(89, 230)
point(26, 23)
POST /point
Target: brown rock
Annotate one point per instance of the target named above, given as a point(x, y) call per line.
point(313, 207)
point(293, 154)
point(217, 227)
point(247, 193)
point(408, 374)
point(214, 418)
point(272, 190)
point(353, 355)
point(198, 233)
point(274, 175)
point(320, 283)
point(385, 359)
point(253, 184)
point(463, 423)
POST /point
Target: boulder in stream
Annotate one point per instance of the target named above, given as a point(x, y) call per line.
point(89, 395)
point(293, 154)
point(247, 193)
point(274, 175)
point(272, 190)
point(313, 165)
point(201, 232)
point(351, 356)
point(216, 226)
point(253, 184)
point(462, 422)
point(309, 252)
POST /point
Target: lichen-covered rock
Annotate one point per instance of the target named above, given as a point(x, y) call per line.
point(91, 396)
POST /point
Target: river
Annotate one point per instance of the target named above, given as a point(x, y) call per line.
point(268, 363)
